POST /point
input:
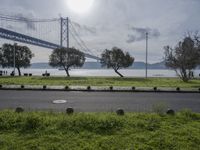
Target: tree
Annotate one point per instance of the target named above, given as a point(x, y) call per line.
point(66, 58)
point(184, 57)
point(116, 59)
point(23, 56)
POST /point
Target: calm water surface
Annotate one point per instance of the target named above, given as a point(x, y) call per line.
point(103, 72)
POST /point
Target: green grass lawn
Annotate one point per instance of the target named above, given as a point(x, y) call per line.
point(99, 131)
point(100, 81)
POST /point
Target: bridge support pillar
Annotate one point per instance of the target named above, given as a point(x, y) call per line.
point(64, 32)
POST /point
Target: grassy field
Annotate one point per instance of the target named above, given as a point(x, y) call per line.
point(99, 131)
point(100, 81)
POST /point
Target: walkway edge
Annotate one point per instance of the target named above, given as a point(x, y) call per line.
point(98, 89)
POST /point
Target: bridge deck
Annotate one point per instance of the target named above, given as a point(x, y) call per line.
point(11, 35)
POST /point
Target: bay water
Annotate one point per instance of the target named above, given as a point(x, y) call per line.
point(102, 72)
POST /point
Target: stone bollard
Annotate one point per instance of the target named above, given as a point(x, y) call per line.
point(70, 111)
point(19, 110)
point(133, 88)
point(44, 87)
point(155, 88)
point(66, 87)
point(120, 112)
point(178, 89)
point(88, 88)
point(111, 88)
point(170, 112)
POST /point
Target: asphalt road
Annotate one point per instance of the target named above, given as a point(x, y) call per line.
point(98, 101)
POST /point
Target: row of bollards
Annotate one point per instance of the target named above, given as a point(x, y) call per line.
point(119, 112)
point(88, 88)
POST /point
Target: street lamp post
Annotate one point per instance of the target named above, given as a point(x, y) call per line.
point(146, 73)
point(14, 60)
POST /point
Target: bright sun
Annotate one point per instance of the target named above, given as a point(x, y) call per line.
point(80, 6)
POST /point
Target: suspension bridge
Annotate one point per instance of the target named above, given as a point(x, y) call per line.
point(47, 33)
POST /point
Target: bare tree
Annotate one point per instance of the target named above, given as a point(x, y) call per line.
point(184, 57)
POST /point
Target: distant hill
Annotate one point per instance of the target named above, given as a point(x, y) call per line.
point(97, 65)
point(159, 65)
point(41, 65)
point(142, 65)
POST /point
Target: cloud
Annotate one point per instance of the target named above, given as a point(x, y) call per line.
point(18, 26)
point(105, 25)
point(25, 19)
point(84, 30)
point(139, 34)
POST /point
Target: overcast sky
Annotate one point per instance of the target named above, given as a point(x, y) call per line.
point(120, 23)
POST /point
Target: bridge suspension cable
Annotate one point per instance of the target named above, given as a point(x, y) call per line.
point(22, 18)
point(45, 29)
point(82, 43)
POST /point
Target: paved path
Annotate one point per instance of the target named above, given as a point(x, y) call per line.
point(97, 101)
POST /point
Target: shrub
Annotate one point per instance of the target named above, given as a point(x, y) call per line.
point(159, 108)
point(101, 125)
point(10, 120)
point(189, 114)
point(153, 123)
point(33, 122)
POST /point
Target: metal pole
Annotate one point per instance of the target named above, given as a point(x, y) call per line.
point(146, 55)
point(67, 32)
point(61, 31)
point(14, 60)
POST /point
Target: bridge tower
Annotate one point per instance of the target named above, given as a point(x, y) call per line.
point(64, 32)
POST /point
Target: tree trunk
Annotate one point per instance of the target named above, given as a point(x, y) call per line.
point(182, 74)
point(185, 79)
point(19, 72)
point(185, 76)
point(67, 71)
point(116, 71)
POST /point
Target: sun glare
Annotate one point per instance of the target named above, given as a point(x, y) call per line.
point(80, 6)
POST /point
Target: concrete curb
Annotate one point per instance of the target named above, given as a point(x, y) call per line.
point(98, 89)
